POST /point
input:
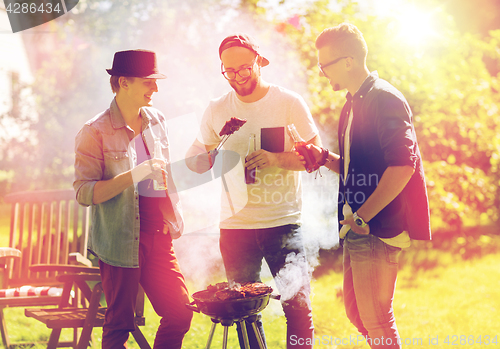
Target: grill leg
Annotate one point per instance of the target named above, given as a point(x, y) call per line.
point(224, 337)
point(211, 335)
point(245, 334)
point(259, 337)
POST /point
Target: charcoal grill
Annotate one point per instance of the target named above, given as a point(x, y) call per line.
point(228, 312)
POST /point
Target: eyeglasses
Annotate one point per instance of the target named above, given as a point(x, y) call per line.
point(243, 72)
point(322, 67)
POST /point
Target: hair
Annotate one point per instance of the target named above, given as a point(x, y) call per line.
point(344, 38)
point(114, 81)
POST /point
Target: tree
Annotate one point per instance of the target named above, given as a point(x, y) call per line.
point(70, 54)
point(453, 97)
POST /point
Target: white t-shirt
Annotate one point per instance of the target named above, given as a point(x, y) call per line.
point(276, 197)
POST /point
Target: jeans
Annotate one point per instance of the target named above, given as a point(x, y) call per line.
point(160, 276)
point(370, 273)
point(282, 247)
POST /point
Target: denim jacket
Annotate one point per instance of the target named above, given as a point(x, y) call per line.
point(382, 135)
point(104, 149)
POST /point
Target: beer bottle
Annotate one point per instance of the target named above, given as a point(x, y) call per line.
point(157, 154)
point(300, 146)
point(250, 174)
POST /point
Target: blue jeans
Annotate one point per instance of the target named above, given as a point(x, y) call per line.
point(282, 247)
point(370, 273)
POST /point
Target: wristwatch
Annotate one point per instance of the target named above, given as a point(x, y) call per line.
point(359, 221)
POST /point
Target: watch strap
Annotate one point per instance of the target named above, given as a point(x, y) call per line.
point(360, 222)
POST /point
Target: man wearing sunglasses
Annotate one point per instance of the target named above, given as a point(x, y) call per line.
point(268, 224)
point(382, 194)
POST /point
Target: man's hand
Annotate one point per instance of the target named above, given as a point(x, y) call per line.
point(203, 162)
point(261, 159)
point(159, 173)
point(349, 220)
point(200, 158)
point(314, 149)
point(150, 169)
point(333, 162)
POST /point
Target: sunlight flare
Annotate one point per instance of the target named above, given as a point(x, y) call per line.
point(410, 22)
point(414, 25)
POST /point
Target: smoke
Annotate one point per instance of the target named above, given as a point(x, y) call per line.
point(186, 41)
point(198, 250)
point(292, 278)
point(319, 213)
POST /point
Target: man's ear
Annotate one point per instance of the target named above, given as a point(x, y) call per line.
point(259, 66)
point(259, 61)
point(349, 63)
point(123, 82)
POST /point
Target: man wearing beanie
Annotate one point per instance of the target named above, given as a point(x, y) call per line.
point(266, 225)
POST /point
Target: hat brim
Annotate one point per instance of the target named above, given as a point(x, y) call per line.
point(265, 61)
point(150, 76)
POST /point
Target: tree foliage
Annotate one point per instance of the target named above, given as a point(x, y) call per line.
point(71, 85)
point(453, 97)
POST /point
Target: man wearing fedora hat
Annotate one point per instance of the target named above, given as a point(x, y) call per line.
point(133, 223)
point(267, 225)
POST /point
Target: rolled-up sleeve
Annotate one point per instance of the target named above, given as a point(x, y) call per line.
point(89, 164)
point(396, 135)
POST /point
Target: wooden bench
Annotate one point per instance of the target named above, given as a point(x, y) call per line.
point(46, 227)
point(68, 316)
point(48, 233)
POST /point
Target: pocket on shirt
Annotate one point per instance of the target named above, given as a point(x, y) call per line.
point(115, 162)
point(164, 148)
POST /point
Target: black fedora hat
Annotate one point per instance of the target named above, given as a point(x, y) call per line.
point(135, 63)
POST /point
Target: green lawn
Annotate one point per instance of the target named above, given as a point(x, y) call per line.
point(459, 303)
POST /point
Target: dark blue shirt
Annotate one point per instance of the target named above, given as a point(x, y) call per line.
point(382, 135)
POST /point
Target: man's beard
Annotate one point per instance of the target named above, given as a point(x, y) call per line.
point(244, 91)
point(335, 86)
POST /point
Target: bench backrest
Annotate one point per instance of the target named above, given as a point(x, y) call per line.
point(46, 226)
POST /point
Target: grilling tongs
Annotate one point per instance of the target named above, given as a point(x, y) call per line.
point(230, 127)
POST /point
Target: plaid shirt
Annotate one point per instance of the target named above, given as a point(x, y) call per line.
point(104, 148)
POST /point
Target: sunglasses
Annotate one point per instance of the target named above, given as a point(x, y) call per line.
point(323, 66)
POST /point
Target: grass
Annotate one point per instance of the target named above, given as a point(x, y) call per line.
point(447, 296)
point(462, 300)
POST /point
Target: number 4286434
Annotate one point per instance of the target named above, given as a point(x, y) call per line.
point(33, 8)
point(470, 340)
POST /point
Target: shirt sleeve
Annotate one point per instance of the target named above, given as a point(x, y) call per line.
point(207, 134)
point(302, 119)
point(89, 164)
point(395, 131)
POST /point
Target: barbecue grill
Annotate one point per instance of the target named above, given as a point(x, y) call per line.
point(228, 312)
